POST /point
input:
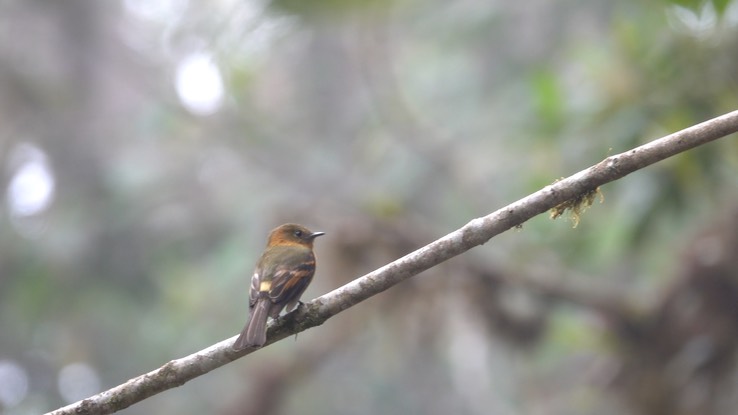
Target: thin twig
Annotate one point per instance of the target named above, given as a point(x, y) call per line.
point(474, 233)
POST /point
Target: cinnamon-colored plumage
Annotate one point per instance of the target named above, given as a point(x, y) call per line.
point(282, 274)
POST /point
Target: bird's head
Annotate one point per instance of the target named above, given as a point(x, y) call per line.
point(292, 234)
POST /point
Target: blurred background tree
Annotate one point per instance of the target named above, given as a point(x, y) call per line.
point(147, 148)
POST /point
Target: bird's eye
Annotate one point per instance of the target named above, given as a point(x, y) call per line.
point(298, 233)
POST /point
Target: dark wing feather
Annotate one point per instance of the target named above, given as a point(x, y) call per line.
point(289, 270)
point(289, 283)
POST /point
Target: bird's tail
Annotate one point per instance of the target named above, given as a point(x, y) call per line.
point(254, 333)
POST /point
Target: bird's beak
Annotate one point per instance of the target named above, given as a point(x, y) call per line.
point(316, 234)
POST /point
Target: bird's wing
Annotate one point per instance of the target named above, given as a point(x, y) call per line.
point(291, 280)
point(254, 291)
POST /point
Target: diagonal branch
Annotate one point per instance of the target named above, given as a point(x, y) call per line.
point(474, 233)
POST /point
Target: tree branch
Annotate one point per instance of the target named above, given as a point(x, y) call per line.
point(474, 233)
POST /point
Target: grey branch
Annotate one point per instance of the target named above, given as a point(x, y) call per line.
point(474, 233)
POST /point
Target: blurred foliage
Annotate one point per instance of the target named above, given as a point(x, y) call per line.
point(720, 6)
point(138, 195)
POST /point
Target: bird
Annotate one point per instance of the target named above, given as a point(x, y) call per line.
point(282, 274)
